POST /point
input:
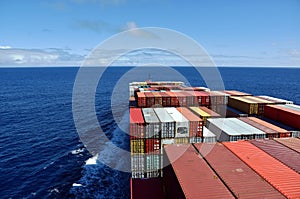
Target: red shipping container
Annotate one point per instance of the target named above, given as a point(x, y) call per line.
point(203, 98)
point(166, 99)
point(153, 146)
point(238, 176)
point(181, 98)
point(283, 178)
point(137, 123)
point(150, 99)
point(189, 98)
point(141, 99)
point(283, 115)
point(196, 123)
point(174, 99)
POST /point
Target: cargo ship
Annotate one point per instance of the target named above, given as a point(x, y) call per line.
point(192, 142)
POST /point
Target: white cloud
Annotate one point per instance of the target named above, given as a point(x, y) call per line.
point(38, 57)
point(5, 47)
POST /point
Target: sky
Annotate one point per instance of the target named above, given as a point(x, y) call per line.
point(234, 33)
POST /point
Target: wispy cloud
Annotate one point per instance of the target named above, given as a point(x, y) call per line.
point(98, 26)
point(38, 57)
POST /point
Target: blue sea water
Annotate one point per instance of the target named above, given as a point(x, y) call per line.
point(41, 155)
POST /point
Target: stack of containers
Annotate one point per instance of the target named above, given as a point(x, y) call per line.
point(286, 114)
point(137, 143)
point(181, 126)
point(208, 136)
point(236, 93)
point(196, 124)
point(153, 145)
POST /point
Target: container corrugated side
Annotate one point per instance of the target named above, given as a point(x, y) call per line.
point(282, 153)
point(270, 133)
point(152, 146)
point(137, 145)
point(247, 131)
point(157, 99)
point(276, 173)
point(152, 128)
point(202, 114)
point(167, 123)
point(182, 124)
point(242, 104)
point(150, 99)
point(282, 132)
point(196, 123)
point(284, 115)
point(226, 130)
point(189, 176)
point(292, 143)
point(138, 165)
point(141, 98)
point(239, 177)
point(153, 165)
point(261, 103)
point(137, 123)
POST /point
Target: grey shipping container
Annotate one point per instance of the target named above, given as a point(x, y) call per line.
point(152, 127)
point(167, 123)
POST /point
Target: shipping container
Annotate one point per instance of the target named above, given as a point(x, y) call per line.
point(182, 124)
point(291, 106)
point(189, 98)
point(276, 173)
point(137, 165)
point(189, 176)
point(137, 123)
point(158, 99)
point(196, 123)
point(239, 177)
point(167, 123)
point(210, 112)
point(282, 132)
point(284, 115)
point(242, 104)
point(137, 145)
point(257, 134)
point(201, 113)
point(232, 129)
point(152, 128)
point(261, 103)
point(181, 98)
point(141, 98)
point(195, 140)
point(152, 146)
point(236, 93)
point(146, 188)
point(208, 136)
point(173, 99)
point(217, 97)
point(202, 98)
point(292, 143)
point(276, 100)
point(282, 153)
point(150, 100)
point(182, 140)
point(166, 99)
point(270, 133)
point(153, 166)
point(132, 102)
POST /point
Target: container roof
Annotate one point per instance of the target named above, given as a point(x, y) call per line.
point(149, 115)
point(163, 115)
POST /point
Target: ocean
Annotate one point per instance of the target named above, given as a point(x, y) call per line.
point(41, 154)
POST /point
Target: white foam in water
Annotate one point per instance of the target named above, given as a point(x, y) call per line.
point(92, 160)
point(77, 151)
point(76, 185)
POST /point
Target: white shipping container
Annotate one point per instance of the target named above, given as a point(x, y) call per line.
point(275, 99)
point(152, 127)
point(291, 106)
point(182, 124)
point(225, 130)
point(138, 165)
point(167, 123)
point(153, 166)
point(208, 136)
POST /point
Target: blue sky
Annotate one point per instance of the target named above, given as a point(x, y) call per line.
point(63, 32)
